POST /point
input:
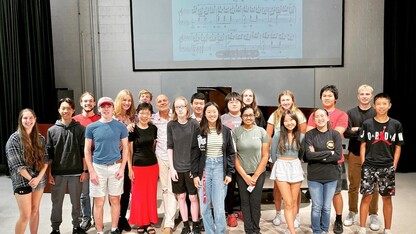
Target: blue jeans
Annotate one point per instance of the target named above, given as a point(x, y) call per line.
point(85, 200)
point(321, 195)
point(215, 190)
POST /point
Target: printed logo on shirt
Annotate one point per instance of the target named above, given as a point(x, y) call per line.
point(330, 144)
point(202, 142)
point(383, 136)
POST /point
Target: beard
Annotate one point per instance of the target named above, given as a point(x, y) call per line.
point(88, 110)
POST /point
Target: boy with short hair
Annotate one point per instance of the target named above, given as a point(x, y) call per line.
point(356, 116)
point(65, 144)
point(381, 140)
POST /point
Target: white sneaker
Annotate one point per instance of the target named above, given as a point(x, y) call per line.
point(277, 220)
point(387, 231)
point(362, 230)
point(374, 222)
point(349, 220)
point(296, 223)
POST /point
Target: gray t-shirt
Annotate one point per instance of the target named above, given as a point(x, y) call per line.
point(231, 121)
point(249, 146)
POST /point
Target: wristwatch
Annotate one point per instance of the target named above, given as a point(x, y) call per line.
point(85, 171)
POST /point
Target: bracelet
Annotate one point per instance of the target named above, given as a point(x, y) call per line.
point(85, 171)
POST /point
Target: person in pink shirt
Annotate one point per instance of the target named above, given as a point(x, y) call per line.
point(339, 122)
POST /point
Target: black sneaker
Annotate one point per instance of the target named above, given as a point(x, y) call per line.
point(85, 224)
point(186, 230)
point(115, 231)
point(55, 232)
point(338, 229)
point(201, 225)
point(196, 229)
point(78, 230)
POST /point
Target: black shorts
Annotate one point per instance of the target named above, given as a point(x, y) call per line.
point(184, 184)
point(23, 190)
point(386, 178)
point(342, 183)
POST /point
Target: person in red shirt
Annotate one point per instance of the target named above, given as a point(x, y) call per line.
point(87, 116)
point(339, 122)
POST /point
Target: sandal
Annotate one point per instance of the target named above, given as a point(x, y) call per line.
point(140, 230)
point(150, 230)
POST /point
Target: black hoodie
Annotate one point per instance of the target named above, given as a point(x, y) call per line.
point(65, 146)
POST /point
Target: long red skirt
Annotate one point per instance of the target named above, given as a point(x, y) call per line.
point(143, 207)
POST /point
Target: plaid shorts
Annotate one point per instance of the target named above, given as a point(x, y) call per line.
point(386, 178)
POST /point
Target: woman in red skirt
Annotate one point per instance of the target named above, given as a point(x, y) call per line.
point(143, 172)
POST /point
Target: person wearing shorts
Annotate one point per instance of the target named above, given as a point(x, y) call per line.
point(287, 170)
point(381, 140)
point(182, 132)
point(106, 168)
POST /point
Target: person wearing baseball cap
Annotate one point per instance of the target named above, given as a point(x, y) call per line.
point(108, 164)
point(105, 100)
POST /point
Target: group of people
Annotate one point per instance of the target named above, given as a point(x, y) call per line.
point(201, 157)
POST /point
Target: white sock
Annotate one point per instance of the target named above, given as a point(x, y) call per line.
point(113, 229)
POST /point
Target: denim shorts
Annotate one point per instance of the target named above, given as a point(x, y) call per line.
point(287, 170)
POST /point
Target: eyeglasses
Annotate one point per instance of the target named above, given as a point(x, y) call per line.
point(248, 116)
point(180, 107)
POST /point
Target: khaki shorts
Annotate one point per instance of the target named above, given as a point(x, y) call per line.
point(108, 183)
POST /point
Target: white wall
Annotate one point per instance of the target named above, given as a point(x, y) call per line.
point(105, 66)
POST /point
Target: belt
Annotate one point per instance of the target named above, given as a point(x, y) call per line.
point(116, 162)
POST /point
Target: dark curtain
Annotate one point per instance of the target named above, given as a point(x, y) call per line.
point(400, 71)
point(26, 64)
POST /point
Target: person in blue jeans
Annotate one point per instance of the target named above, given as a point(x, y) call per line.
point(213, 167)
point(323, 149)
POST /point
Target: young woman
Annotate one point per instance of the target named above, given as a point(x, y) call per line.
point(182, 132)
point(249, 99)
point(286, 101)
point(252, 145)
point(143, 172)
point(287, 169)
point(323, 147)
point(213, 167)
point(124, 112)
point(27, 160)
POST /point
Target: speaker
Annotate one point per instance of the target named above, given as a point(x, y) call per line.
point(64, 93)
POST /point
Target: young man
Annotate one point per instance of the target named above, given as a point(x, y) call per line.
point(160, 120)
point(197, 104)
point(381, 140)
point(339, 122)
point(87, 102)
point(65, 144)
point(107, 166)
point(356, 117)
point(145, 96)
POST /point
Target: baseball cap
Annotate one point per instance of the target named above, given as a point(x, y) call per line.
point(105, 100)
